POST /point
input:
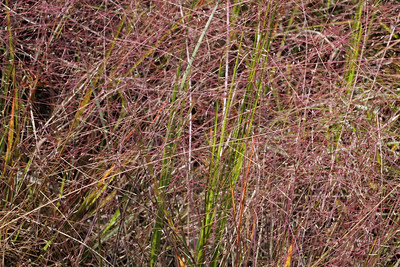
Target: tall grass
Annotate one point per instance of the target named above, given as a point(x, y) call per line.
point(199, 133)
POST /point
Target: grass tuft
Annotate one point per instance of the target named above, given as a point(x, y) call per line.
point(199, 133)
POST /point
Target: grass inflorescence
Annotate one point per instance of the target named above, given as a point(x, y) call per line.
point(200, 133)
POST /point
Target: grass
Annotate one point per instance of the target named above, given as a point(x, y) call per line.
point(200, 133)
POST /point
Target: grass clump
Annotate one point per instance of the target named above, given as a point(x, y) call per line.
point(199, 133)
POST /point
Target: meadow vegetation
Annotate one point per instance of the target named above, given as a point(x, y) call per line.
point(200, 133)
